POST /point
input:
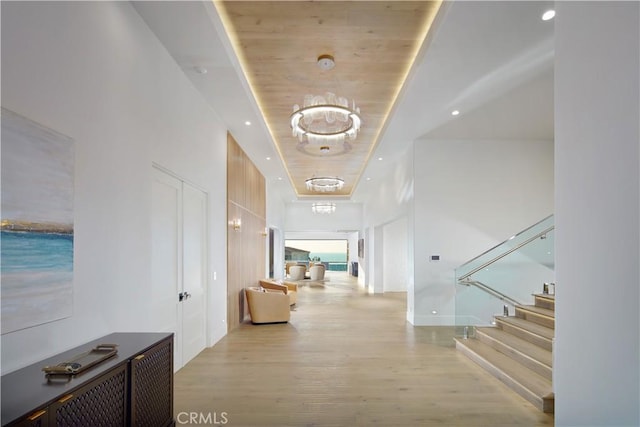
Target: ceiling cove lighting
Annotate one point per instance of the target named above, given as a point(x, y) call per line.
point(323, 208)
point(324, 184)
point(325, 119)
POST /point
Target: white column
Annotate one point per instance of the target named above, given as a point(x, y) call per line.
point(596, 369)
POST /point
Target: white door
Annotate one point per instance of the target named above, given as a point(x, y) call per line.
point(178, 264)
point(194, 203)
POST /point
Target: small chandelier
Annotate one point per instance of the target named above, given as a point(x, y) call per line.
point(323, 208)
point(325, 119)
point(324, 184)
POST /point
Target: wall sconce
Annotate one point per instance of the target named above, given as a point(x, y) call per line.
point(236, 224)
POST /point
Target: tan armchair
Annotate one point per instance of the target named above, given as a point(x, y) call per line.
point(267, 307)
point(289, 288)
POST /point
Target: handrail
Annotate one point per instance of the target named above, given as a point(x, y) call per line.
point(502, 243)
point(526, 242)
point(490, 290)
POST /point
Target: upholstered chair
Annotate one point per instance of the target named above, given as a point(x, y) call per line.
point(316, 272)
point(296, 272)
point(289, 288)
point(287, 266)
point(267, 307)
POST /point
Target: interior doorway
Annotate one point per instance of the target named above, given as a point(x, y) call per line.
point(178, 264)
point(333, 253)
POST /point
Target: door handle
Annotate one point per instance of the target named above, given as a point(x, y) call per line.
point(183, 296)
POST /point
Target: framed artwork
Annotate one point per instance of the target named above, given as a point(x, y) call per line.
point(37, 223)
point(360, 248)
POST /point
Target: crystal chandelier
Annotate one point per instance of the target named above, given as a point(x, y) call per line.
point(324, 184)
point(325, 119)
point(323, 208)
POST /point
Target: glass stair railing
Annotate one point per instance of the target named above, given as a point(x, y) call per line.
point(504, 276)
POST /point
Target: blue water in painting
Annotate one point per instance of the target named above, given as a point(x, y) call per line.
point(23, 251)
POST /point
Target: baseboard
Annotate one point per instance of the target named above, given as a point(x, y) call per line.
point(432, 320)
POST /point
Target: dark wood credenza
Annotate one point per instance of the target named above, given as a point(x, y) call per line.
point(132, 388)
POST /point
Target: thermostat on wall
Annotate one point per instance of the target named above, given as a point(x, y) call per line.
point(435, 257)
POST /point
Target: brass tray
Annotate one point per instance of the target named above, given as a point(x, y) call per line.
point(81, 362)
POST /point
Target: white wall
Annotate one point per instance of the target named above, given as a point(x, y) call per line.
point(299, 217)
point(470, 196)
point(395, 256)
point(596, 367)
point(391, 200)
point(377, 255)
point(94, 72)
point(275, 219)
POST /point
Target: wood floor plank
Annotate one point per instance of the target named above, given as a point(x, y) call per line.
point(346, 359)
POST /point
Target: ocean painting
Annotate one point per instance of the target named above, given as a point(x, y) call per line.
point(36, 237)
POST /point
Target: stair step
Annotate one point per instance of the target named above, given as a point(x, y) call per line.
point(545, 301)
point(541, 316)
point(524, 352)
point(523, 381)
point(529, 331)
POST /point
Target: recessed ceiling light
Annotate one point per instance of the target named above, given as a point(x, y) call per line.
point(369, 178)
point(248, 123)
point(455, 112)
point(379, 158)
point(200, 70)
point(279, 178)
point(268, 158)
point(326, 62)
point(549, 14)
point(434, 311)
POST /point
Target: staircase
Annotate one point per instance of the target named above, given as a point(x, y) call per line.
point(517, 350)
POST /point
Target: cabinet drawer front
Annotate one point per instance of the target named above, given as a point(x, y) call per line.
point(38, 418)
point(152, 386)
point(100, 403)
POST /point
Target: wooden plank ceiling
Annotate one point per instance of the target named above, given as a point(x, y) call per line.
point(374, 44)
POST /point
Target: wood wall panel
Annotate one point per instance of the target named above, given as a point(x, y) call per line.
point(246, 248)
point(235, 172)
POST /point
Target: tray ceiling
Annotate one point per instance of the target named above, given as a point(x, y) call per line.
point(374, 45)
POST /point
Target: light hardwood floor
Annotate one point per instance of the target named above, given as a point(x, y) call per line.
point(345, 359)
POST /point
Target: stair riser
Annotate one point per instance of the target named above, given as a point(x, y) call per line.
point(535, 318)
point(525, 335)
point(496, 372)
point(545, 303)
point(535, 365)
